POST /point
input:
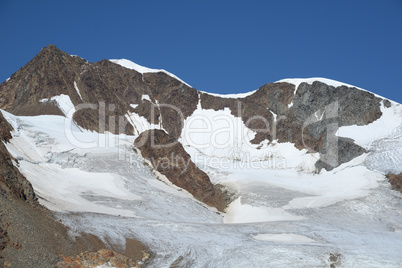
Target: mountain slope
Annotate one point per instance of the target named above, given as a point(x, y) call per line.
point(29, 236)
point(13, 184)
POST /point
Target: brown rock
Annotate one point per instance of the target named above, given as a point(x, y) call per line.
point(101, 257)
point(12, 183)
point(111, 89)
point(395, 180)
point(29, 236)
point(134, 249)
point(168, 157)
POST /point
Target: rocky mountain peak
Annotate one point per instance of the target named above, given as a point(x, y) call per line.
point(51, 50)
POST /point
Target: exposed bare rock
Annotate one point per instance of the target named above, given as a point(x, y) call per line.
point(396, 181)
point(315, 107)
point(275, 97)
point(168, 157)
point(12, 183)
point(5, 129)
point(335, 260)
point(50, 73)
point(102, 257)
point(29, 236)
point(34, 239)
point(276, 111)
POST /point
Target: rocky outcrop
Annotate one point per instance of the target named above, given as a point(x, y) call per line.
point(12, 183)
point(30, 237)
point(168, 157)
point(396, 181)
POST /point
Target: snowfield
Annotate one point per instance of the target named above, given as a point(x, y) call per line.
point(284, 213)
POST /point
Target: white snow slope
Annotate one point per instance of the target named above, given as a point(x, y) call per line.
point(141, 69)
point(285, 215)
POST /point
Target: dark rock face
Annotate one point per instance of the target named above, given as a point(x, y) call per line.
point(29, 236)
point(169, 158)
point(346, 150)
point(307, 116)
point(311, 121)
point(24, 225)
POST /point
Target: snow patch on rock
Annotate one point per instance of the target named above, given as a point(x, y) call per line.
point(141, 69)
point(64, 103)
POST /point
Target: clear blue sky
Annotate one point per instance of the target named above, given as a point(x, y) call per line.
point(218, 46)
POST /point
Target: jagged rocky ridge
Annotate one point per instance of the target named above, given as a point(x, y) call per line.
point(396, 181)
